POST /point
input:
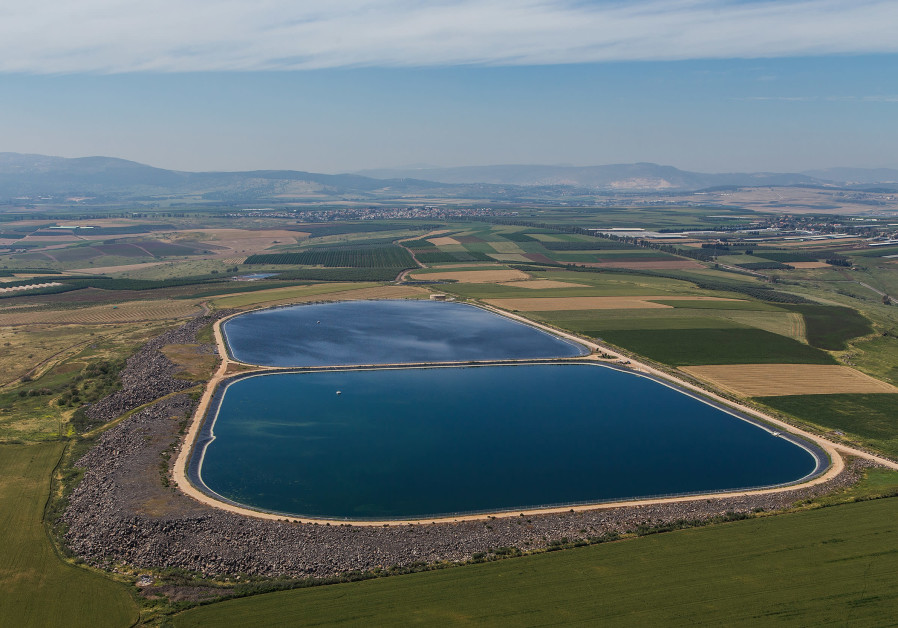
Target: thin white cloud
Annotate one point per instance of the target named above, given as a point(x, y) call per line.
point(49, 36)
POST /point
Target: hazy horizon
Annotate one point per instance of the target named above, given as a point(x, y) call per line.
point(424, 167)
point(704, 85)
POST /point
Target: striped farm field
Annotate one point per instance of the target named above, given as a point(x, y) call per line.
point(443, 241)
point(773, 380)
point(476, 276)
point(593, 303)
point(133, 311)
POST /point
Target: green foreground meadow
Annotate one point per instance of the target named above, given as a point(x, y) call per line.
point(39, 589)
point(820, 567)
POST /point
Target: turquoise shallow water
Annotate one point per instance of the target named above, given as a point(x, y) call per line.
point(385, 332)
point(418, 442)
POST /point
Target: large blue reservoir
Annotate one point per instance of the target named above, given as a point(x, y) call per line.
point(408, 443)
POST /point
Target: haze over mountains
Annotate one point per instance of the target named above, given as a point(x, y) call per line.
point(621, 177)
point(24, 175)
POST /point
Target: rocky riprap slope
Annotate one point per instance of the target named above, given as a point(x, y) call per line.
point(148, 374)
point(122, 511)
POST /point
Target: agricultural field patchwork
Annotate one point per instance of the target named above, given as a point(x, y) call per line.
point(743, 334)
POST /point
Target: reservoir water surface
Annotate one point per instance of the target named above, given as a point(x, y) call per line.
point(406, 443)
point(385, 332)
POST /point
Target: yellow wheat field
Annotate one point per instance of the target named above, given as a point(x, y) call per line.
point(769, 380)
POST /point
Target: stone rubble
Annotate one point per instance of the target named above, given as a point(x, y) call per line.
point(148, 374)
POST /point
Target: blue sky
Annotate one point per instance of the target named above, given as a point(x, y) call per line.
point(702, 85)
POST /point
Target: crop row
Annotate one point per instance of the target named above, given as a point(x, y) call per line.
point(367, 257)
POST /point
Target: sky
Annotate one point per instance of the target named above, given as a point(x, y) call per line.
point(346, 85)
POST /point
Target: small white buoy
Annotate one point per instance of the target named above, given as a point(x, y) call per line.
point(317, 322)
point(339, 393)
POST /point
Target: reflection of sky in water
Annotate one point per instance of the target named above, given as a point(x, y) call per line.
point(383, 332)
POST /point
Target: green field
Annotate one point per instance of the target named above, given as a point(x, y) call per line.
point(361, 257)
point(36, 587)
point(873, 417)
point(830, 327)
point(879, 357)
point(827, 566)
point(688, 347)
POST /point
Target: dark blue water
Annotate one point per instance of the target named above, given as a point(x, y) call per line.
point(385, 332)
point(417, 442)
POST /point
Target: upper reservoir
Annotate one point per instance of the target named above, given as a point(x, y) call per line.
point(385, 332)
point(407, 443)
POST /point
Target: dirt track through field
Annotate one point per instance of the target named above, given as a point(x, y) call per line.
point(769, 380)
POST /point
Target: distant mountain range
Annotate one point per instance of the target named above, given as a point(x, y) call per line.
point(109, 178)
point(30, 175)
point(635, 177)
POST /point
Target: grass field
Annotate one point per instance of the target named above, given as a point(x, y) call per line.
point(830, 327)
point(872, 417)
point(879, 357)
point(53, 357)
point(36, 587)
point(694, 347)
point(826, 566)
